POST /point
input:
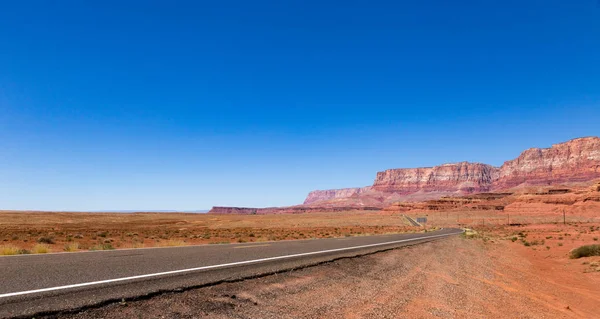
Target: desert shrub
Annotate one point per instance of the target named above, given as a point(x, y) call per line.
point(71, 247)
point(103, 234)
point(585, 251)
point(46, 240)
point(469, 233)
point(560, 244)
point(137, 244)
point(595, 238)
point(8, 250)
point(24, 252)
point(40, 249)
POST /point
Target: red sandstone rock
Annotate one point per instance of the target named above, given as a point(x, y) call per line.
point(577, 160)
point(573, 161)
point(464, 177)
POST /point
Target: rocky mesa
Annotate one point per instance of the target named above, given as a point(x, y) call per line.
point(465, 177)
point(576, 160)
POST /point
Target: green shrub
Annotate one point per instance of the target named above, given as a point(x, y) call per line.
point(585, 251)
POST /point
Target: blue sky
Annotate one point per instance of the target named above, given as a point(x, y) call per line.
point(190, 104)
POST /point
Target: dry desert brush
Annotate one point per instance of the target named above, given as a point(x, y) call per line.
point(585, 251)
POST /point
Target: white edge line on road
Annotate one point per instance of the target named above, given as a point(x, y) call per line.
point(246, 262)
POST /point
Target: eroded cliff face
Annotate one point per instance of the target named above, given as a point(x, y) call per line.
point(577, 160)
point(323, 195)
point(573, 161)
point(465, 177)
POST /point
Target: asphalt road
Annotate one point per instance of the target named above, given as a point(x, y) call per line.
point(412, 221)
point(33, 284)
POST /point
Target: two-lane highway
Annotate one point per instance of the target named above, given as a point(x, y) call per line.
point(30, 284)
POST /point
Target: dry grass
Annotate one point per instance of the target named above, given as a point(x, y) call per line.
point(173, 243)
point(9, 250)
point(69, 247)
point(41, 249)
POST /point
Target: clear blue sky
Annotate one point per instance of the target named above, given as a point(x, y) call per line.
point(186, 105)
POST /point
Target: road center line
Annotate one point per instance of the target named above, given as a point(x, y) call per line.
point(246, 262)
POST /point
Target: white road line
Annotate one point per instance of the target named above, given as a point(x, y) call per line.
point(246, 262)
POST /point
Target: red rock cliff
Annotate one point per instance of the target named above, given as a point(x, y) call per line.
point(573, 161)
point(577, 160)
point(465, 177)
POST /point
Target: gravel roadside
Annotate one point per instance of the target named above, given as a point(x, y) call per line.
point(453, 278)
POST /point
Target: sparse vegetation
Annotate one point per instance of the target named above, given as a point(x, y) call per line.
point(469, 233)
point(585, 251)
point(71, 247)
point(41, 249)
point(9, 250)
point(174, 243)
